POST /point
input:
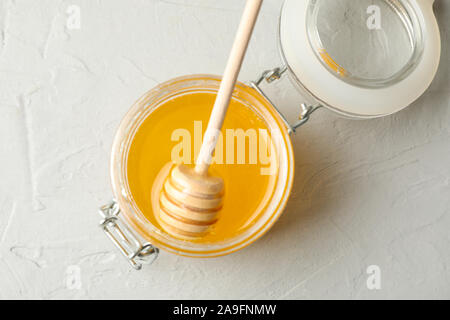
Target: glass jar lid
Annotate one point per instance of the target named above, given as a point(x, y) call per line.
point(366, 43)
point(364, 58)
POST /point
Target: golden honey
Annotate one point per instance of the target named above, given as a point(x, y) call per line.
point(172, 130)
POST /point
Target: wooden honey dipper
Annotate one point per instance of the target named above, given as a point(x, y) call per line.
point(191, 198)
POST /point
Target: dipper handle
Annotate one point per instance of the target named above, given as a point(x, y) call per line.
point(229, 80)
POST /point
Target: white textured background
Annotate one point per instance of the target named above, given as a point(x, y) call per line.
point(366, 192)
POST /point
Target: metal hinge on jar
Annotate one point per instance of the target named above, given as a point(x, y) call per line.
point(305, 110)
point(136, 252)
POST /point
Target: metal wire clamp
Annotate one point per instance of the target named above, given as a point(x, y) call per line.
point(136, 252)
point(305, 110)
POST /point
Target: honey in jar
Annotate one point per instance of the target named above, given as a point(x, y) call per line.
point(173, 134)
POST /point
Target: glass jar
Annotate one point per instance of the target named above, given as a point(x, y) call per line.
point(138, 229)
